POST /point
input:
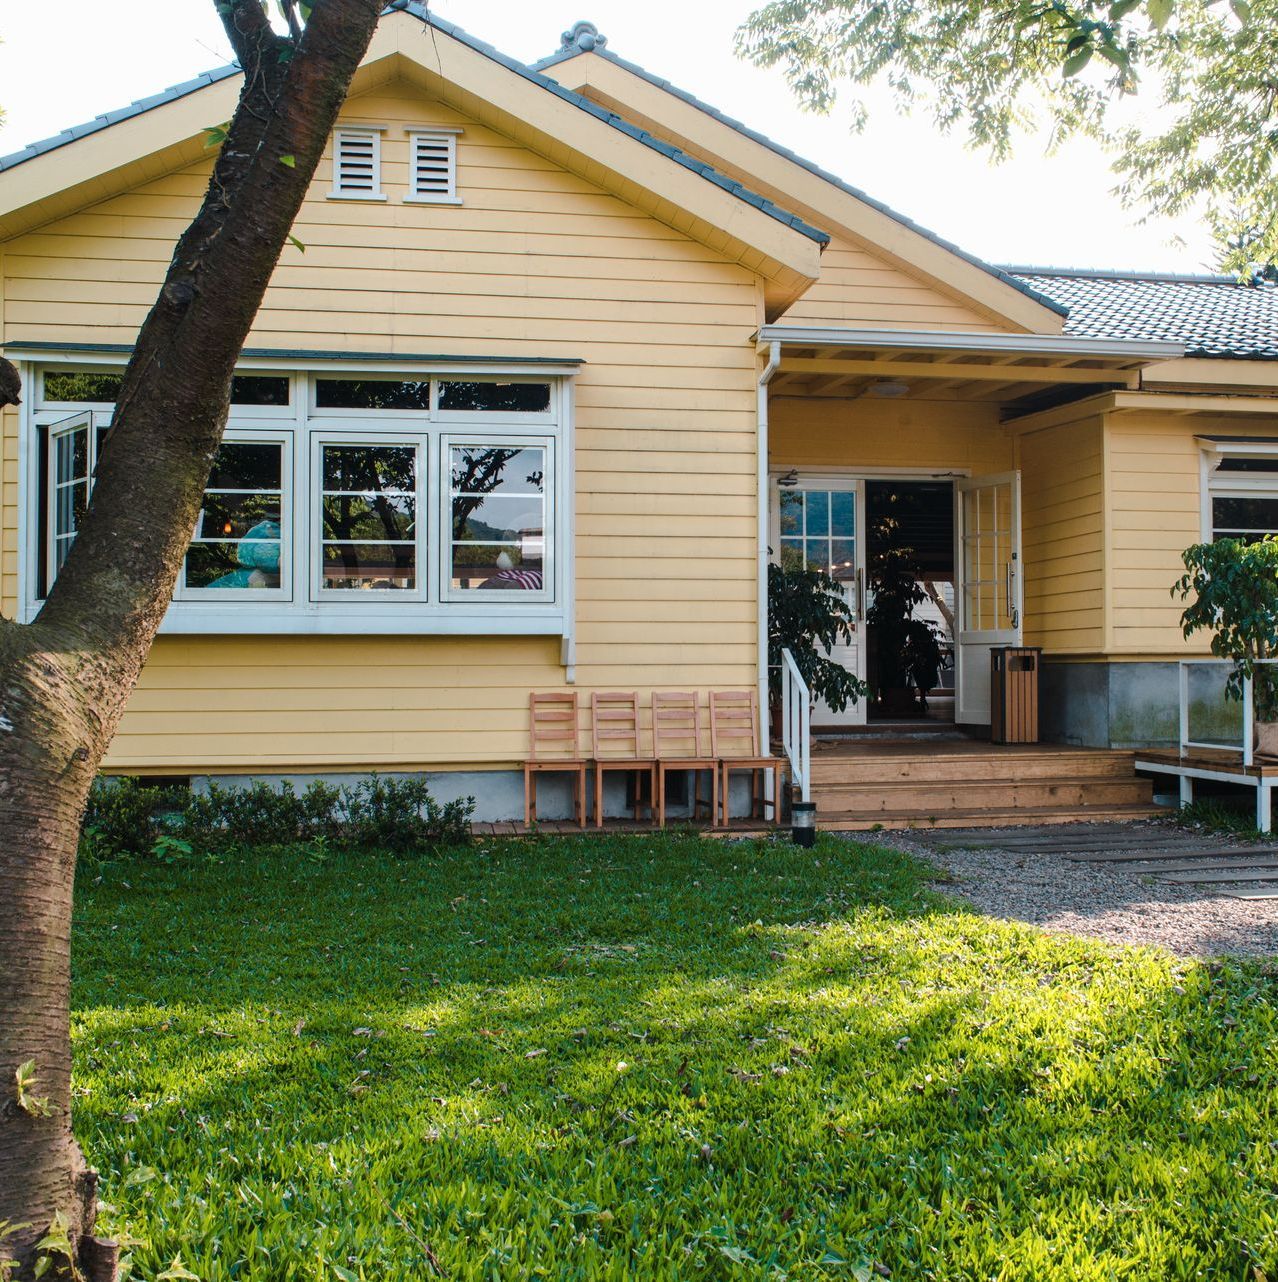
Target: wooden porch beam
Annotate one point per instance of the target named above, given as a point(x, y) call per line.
point(1127, 378)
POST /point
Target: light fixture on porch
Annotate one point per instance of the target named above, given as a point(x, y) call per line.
point(789, 480)
point(888, 390)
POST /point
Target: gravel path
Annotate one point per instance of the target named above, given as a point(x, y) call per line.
point(1057, 894)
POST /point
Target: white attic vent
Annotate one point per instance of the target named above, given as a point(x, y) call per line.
point(432, 168)
point(357, 163)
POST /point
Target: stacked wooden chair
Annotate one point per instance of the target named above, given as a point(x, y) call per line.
point(676, 743)
point(735, 745)
point(615, 743)
point(554, 748)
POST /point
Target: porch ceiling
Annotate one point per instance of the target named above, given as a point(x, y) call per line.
point(1006, 369)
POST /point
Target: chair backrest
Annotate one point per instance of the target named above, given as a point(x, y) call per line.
point(553, 726)
point(734, 723)
point(614, 724)
point(676, 724)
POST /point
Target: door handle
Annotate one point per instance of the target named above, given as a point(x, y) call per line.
point(1012, 612)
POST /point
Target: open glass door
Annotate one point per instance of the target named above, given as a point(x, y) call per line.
point(819, 523)
point(988, 514)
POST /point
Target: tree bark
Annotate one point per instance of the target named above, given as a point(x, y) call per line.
point(66, 677)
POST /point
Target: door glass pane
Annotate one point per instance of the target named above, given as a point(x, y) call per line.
point(843, 514)
point(239, 534)
point(368, 517)
point(498, 518)
point(791, 512)
point(818, 513)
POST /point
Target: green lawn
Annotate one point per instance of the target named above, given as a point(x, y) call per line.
point(660, 1058)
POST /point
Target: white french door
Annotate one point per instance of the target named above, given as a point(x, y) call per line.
point(990, 596)
point(819, 523)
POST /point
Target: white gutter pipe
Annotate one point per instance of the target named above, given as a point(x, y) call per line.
point(772, 362)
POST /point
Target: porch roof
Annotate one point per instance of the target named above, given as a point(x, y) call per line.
point(1003, 368)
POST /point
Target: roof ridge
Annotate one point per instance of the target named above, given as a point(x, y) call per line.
point(1122, 273)
point(999, 273)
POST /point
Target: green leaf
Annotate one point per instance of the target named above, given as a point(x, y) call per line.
point(1122, 8)
point(297, 244)
point(1242, 11)
point(1160, 12)
point(1074, 64)
point(344, 1275)
point(177, 1272)
point(290, 161)
point(216, 135)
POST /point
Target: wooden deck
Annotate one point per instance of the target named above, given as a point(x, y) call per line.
point(566, 828)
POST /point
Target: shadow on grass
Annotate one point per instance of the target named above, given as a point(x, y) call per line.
point(657, 1058)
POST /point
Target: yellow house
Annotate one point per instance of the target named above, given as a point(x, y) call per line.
point(567, 358)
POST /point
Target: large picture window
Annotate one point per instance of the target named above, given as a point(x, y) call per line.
point(427, 502)
point(1242, 498)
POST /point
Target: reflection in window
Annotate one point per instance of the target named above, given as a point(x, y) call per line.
point(82, 385)
point(372, 393)
point(238, 538)
point(70, 469)
point(506, 398)
point(818, 531)
point(368, 513)
point(498, 518)
point(259, 389)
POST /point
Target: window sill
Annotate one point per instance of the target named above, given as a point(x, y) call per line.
point(432, 200)
point(192, 618)
point(347, 195)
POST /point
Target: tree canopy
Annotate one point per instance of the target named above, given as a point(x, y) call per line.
point(1205, 70)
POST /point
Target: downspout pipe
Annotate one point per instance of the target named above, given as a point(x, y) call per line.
point(772, 360)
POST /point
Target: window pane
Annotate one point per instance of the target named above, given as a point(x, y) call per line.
point(373, 393)
point(792, 554)
point(1261, 464)
point(843, 559)
point(63, 385)
point(791, 512)
point(239, 534)
point(382, 566)
point(259, 389)
point(843, 514)
point(71, 454)
point(1233, 516)
point(498, 518)
point(368, 514)
point(818, 515)
point(511, 398)
point(819, 555)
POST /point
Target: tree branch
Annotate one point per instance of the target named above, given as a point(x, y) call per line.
point(10, 384)
point(249, 31)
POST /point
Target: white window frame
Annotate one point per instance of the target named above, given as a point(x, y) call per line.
point(1216, 484)
point(267, 433)
point(319, 594)
point(80, 421)
point(432, 196)
point(453, 439)
point(357, 129)
point(392, 613)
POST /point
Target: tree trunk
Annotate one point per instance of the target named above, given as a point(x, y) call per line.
point(65, 679)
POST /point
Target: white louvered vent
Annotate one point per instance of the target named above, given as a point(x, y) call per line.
point(432, 173)
point(357, 164)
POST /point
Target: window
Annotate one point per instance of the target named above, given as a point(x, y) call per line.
point(409, 503)
point(357, 163)
point(240, 542)
point(497, 518)
point(432, 166)
point(1242, 492)
point(818, 531)
point(367, 497)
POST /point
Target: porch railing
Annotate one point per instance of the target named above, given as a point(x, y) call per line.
point(796, 724)
point(1242, 736)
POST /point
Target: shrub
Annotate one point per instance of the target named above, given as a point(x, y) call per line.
point(123, 817)
point(400, 815)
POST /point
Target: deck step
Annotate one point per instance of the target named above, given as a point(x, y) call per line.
point(984, 794)
point(962, 766)
point(967, 817)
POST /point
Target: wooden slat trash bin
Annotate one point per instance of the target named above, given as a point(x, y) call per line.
point(1014, 694)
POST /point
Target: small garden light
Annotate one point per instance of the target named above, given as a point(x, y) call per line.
point(803, 823)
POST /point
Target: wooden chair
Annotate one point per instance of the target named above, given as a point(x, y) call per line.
point(734, 743)
point(553, 748)
point(615, 745)
point(676, 743)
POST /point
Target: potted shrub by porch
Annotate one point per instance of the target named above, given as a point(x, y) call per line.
point(1234, 586)
point(808, 615)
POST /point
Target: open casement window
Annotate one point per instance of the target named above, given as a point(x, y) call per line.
point(1242, 492)
point(72, 455)
point(499, 519)
point(366, 536)
point(241, 547)
point(432, 166)
point(357, 163)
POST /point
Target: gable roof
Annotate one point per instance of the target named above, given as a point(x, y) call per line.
point(591, 47)
point(775, 257)
point(1213, 316)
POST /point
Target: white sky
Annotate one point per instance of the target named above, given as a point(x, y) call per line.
point(63, 63)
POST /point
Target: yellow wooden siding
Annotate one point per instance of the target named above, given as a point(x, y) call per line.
point(857, 288)
point(1063, 536)
point(536, 262)
point(908, 435)
point(1156, 512)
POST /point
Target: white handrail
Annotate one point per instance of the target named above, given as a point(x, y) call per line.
point(796, 725)
point(1248, 709)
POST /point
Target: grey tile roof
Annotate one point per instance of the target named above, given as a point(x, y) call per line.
point(1214, 316)
point(1007, 278)
point(419, 11)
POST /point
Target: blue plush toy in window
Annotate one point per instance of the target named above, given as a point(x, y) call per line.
point(258, 554)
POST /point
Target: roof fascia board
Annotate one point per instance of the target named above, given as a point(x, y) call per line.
point(1139, 351)
point(1216, 371)
point(817, 194)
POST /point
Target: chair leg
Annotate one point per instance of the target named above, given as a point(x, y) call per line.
point(661, 797)
point(599, 792)
point(581, 797)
